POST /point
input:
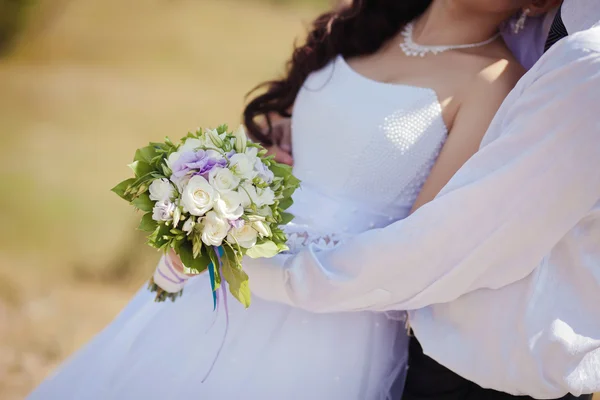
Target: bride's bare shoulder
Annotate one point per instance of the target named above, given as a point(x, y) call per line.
point(498, 68)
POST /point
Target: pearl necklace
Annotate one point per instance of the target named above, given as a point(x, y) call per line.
point(412, 49)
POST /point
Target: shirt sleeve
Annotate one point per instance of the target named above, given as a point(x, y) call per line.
point(492, 225)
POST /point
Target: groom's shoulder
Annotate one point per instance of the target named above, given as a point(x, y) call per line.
point(581, 49)
point(581, 42)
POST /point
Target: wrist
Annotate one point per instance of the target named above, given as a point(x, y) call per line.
point(168, 277)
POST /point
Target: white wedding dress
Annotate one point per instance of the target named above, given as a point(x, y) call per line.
point(362, 149)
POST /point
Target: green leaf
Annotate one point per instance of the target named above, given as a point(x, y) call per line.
point(285, 203)
point(281, 170)
point(198, 264)
point(147, 224)
point(162, 235)
point(286, 218)
point(237, 280)
point(122, 187)
point(141, 168)
point(266, 249)
point(145, 154)
point(143, 202)
point(291, 181)
point(222, 129)
point(288, 192)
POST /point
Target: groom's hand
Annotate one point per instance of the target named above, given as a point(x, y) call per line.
point(282, 141)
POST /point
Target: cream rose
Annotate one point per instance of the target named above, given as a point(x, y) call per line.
point(223, 179)
point(229, 205)
point(198, 196)
point(245, 236)
point(214, 229)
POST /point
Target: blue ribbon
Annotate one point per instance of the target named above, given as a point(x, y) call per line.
point(213, 283)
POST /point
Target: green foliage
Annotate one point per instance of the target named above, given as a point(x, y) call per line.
point(236, 277)
point(266, 249)
point(143, 202)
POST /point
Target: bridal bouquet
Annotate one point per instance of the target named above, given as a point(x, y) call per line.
point(213, 198)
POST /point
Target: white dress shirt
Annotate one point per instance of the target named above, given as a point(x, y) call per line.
point(502, 269)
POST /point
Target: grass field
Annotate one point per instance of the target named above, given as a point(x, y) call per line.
point(89, 82)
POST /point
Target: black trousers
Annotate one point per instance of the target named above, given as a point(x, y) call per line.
point(428, 380)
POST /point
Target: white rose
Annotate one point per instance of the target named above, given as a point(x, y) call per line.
point(215, 229)
point(188, 226)
point(265, 197)
point(198, 196)
point(243, 166)
point(161, 189)
point(262, 228)
point(229, 205)
point(245, 236)
point(163, 211)
point(223, 179)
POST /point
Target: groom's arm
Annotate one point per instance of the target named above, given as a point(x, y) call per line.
point(491, 225)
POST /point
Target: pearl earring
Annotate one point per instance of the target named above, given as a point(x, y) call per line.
point(520, 24)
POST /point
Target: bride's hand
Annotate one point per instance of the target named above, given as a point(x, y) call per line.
point(176, 262)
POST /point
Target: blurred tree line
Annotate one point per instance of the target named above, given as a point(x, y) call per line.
point(14, 13)
point(12, 19)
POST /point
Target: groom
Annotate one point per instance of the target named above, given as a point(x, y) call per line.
point(502, 269)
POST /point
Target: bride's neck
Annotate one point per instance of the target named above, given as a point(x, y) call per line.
point(445, 23)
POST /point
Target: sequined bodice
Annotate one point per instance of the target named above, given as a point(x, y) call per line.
point(362, 148)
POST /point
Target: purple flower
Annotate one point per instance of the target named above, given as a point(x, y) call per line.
point(196, 163)
point(264, 172)
point(237, 224)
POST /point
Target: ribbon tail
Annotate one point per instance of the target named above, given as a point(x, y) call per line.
point(219, 253)
point(211, 273)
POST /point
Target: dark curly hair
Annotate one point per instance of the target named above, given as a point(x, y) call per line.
point(357, 29)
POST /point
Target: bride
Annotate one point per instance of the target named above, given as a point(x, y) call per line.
point(384, 113)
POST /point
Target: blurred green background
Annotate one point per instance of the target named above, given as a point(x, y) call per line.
point(83, 83)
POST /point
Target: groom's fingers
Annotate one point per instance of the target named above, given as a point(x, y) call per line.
point(281, 156)
point(282, 138)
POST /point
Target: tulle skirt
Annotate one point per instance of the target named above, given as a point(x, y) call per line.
point(272, 351)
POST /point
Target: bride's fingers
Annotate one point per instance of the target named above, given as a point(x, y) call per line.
point(176, 262)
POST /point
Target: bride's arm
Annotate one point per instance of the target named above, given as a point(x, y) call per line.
point(492, 224)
